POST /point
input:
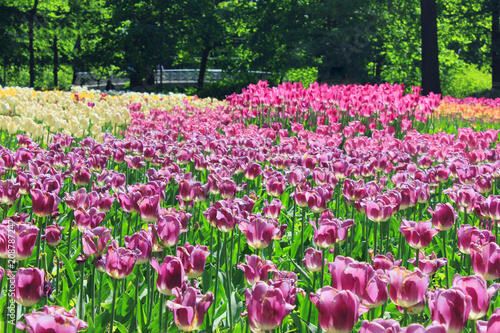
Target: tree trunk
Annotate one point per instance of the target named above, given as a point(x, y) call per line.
point(203, 67)
point(430, 53)
point(56, 62)
point(495, 44)
point(31, 36)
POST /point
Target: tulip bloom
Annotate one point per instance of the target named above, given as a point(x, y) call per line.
point(53, 235)
point(338, 310)
point(266, 306)
point(140, 241)
point(331, 231)
point(490, 326)
point(407, 288)
point(168, 230)
point(313, 260)
point(443, 216)
point(429, 264)
point(256, 268)
point(29, 286)
point(52, 319)
point(44, 203)
point(17, 239)
point(171, 274)
point(475, 286)
point(418, 235)
point(193, 259)
point(119, 261)
point(189, 308)
point(486, 260)
point(260, 232)
point(450, 307)
point(468, 235)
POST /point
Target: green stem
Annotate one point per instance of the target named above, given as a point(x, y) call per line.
point(113, 306)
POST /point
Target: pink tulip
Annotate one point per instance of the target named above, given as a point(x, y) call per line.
point(407, 288)
point(429, 264)
point(450, 307)
point(486, 260)
point(52, 319)
point(171, 274)
point(266, 306)
point(330, 231)
point(256, 269)
point(418, 235)
point(168, 230)
point(149, 208)
point(29, 285)
point(95, 241)
point(119, 261)
point(17, 239)
point(338, 310)
point(365, 283)
point(189, 308)
point(193, 259)
point(490, 326)
point(476, 287)
point(313, 260)
point(44, 203)
point(443, 216)
point(468, 235)
point(140, 242)
point(260, 232)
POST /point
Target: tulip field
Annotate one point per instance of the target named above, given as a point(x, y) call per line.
point(280, 209)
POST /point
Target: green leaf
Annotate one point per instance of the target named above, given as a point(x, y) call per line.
point(68, 267)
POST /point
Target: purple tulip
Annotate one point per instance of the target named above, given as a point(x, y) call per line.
point(170, 274)
point(168, 230)
point(119, 261)
point(53, 235)
point(44, 203)
point(313, 260)
point(189, 308)
point(330, 231)
point(9, 192)
point(418, 235)
point(23, 236)
point(95, 241)
point(338, 310)
point(259, 231)
point(490, 326)
point(266, 306)
point(52, 319)
point(443, 216)
point(193, 259)
point(486, 260)
point(468, 235)
point(476, 287)
point(256, 269)
point(29, 285)
point(450, 307)
point(407, 288)
point(140, 242)
point(429, 264)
